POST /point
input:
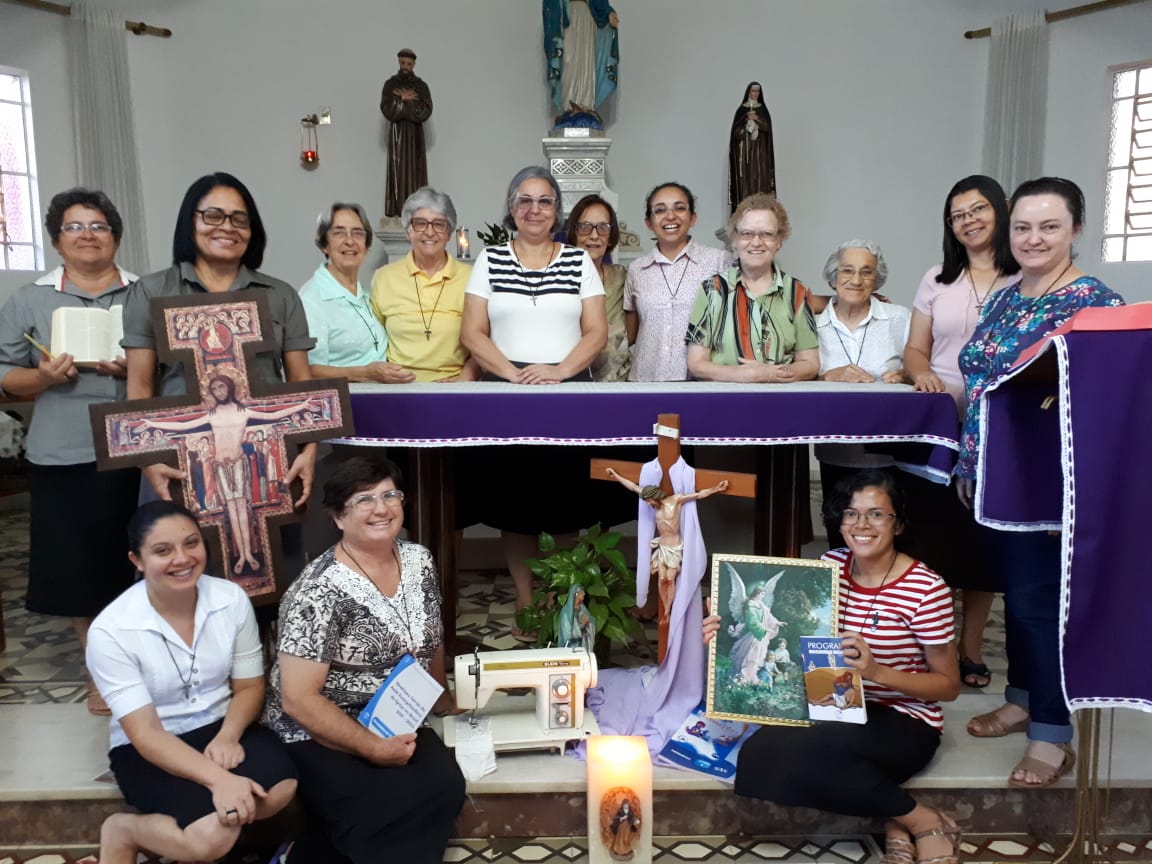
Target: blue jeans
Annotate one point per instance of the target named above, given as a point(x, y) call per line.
point(1030, 564)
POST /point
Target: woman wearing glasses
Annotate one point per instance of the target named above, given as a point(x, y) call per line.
point(420, 298)
point(217, 245)
point(662, 285)
point(753, 323)
point(533, 314)
point(895, 624)
point(80, 577)
point(592, 226)
point(350, 343)
point(345, 623)
point(951, 298)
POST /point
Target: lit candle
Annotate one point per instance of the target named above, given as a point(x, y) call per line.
point(619, 799)
point(462, 244)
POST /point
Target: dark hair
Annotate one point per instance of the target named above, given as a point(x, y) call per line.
point(533, 172)
point(184, 237)
point(93, 198)
point(355, 475)
point(142, 522)
point(1071, 193)
point(955, 255)
point(578, 211)
point(841, 497)
point(671, 184)
point(228, 382)
point(406, 52)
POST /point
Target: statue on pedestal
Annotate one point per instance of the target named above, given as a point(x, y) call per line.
point(407, 103)
point(582, 49)
point(751, 158)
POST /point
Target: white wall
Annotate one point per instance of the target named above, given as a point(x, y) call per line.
point(877, 109)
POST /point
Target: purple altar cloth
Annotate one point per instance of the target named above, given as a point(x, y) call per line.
point(1083, 467)
point(475, 414)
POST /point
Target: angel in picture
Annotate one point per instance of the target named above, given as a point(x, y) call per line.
point(755, 625)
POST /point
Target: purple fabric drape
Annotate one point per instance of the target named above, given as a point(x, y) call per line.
point(1081, 466)
point(654, 700)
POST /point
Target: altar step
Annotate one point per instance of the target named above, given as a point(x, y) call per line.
point(52, 754)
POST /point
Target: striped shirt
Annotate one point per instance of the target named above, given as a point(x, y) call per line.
point(534, 315)
point(897, 620)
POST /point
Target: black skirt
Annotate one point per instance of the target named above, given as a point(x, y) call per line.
point(78, 560)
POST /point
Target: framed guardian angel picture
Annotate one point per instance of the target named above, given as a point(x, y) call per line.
point(766, 605)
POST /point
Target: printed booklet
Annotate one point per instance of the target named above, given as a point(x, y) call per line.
point(403, 700)
point(706, 745)
point(834, 689)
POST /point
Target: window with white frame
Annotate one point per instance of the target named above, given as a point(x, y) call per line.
point(1128, 190)
point(20, 244)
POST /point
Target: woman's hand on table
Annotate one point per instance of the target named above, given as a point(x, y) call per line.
point(928, 382)
point(850, 374)
point(539, 373)
point(389, 373)
point(893, 376)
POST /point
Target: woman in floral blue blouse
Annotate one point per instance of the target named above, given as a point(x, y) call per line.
point(1047, 215)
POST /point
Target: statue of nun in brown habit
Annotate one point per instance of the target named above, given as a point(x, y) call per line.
point(751, 160)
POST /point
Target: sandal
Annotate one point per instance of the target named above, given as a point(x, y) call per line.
point(991, 725)
point(528, 637)
point(972, 669)
point(898, 845)
point(951, 832)
point(1046, 771)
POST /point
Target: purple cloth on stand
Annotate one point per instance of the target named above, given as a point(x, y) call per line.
point(654, 700)
point(1084, 466)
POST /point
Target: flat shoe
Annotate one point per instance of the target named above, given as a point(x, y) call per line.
point(528, 637)
point(1046, 771)
point(991, 726)
point(972, 669)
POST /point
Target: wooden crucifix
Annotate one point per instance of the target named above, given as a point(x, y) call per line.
point(667, 546)
point(230, 436)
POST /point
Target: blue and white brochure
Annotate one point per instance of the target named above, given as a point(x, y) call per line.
point(706, 745)
point(834, 689)
point(403, 700)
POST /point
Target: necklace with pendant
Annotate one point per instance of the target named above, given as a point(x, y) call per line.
point(870, 613)
point(980, 301)
point(541, 274)
point(404, 619)
point(185, 683)
point(427, 322)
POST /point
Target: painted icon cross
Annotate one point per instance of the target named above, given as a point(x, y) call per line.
point(232, 437)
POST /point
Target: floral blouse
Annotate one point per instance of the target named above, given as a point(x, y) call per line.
point(1011, 323)
point(332, 614)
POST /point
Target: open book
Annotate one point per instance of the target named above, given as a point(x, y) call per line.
point(403, 700)
point(835, 690)
point(88, 334)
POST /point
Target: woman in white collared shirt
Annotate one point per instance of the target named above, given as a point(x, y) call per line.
point(177, 657)
point(861, 342)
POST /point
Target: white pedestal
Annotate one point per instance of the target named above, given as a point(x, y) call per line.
point(577, 160)
point(393, 238)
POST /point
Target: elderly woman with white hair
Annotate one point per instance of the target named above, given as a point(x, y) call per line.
point(861, 342)
point(420, 298)
point(350, 342)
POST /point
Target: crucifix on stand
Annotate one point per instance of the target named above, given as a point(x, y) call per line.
point(667, 546)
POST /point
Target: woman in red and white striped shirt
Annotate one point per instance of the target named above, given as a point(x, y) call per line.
point(896, 628)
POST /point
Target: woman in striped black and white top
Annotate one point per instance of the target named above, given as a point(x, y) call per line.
point(533, 314)
point(896, 623)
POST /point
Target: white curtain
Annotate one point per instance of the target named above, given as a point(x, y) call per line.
point(102, 120)
point(1014, 108)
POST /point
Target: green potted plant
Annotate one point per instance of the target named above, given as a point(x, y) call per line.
point(595, 563)
point(496, 235)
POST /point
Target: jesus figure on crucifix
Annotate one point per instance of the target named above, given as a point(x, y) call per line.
point(228, 420)
point(667, 545)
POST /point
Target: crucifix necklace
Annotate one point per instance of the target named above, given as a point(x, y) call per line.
point(980, 301)
point(427, 322)
point(367, 326)
point(542, 275)
point(844, 348)
point(185, 683)
point(679, 282)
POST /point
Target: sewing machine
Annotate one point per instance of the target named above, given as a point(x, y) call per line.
point(545, 719)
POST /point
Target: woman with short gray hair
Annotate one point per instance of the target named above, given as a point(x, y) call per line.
point(420, 298)
point(350, 342)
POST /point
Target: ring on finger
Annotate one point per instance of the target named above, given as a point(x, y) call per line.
point(232, 812)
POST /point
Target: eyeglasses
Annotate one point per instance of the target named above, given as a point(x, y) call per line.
point(679, 207)
point(876, 518)
point(340, 233)
point(960, 216)
point(80, 227)
point(438, 226)
point(586, 228)
point(527, 202)
point(215, 216)
point(367, 501)
point(847, 274)
point(746, 236)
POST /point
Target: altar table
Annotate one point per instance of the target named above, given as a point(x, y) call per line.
point(433, 418)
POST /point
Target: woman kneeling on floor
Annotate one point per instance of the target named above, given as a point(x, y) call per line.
point(895, 620)
point(177, 658)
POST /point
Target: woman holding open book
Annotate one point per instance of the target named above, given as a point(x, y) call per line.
point(345, 624)
point(895, 624)
point(80, 577)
